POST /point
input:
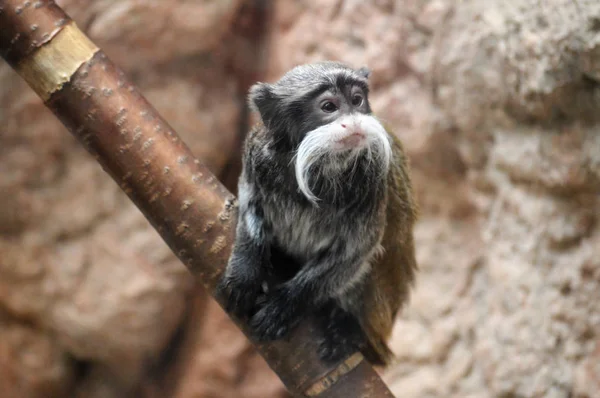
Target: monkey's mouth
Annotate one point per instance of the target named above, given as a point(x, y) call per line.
point(353, 140)
point(349, 144)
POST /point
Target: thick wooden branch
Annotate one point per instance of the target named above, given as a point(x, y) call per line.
point(186, 204)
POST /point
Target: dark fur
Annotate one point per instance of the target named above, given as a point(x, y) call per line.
point(307, 256)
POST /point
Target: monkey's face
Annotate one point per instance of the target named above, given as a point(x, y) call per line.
point(321, 114)
point(346, 138)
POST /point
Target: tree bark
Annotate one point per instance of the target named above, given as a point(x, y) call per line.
point(185, 203)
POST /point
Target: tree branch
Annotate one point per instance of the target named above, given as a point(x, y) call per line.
point(187, 205)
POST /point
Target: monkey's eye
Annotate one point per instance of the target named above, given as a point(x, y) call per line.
point(329, 107)
point(357, 100)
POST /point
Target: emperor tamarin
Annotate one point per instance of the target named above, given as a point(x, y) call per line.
point(326, 214)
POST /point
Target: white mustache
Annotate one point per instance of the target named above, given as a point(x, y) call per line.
point(327, 141)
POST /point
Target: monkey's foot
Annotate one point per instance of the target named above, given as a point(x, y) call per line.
point(275, 319)
point(342, 336)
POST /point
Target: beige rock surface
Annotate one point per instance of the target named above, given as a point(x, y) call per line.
point(31, 364)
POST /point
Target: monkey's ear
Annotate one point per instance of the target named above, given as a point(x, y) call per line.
point(263, 100)
point(364, 72)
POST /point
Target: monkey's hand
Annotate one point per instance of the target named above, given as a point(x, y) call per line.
point(278, 315)
point(241, 286)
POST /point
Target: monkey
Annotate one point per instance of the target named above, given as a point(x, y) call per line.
point(325, 218)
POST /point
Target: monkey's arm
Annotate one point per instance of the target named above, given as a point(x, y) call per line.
point(249, 261)
point(334, 272)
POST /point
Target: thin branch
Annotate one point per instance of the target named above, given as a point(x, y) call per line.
point(187, 205)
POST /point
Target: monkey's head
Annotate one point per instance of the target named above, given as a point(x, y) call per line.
point(320, 112)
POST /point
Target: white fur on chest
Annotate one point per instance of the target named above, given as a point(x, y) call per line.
point(301, 233)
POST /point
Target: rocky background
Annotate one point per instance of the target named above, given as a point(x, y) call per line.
point(497, 103)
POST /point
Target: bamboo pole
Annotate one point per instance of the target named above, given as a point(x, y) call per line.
point(184, 202)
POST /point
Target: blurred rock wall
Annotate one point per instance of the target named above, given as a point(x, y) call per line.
point(496, 102)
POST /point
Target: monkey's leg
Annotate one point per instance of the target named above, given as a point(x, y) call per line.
point(342, 334)
point(248, 266)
